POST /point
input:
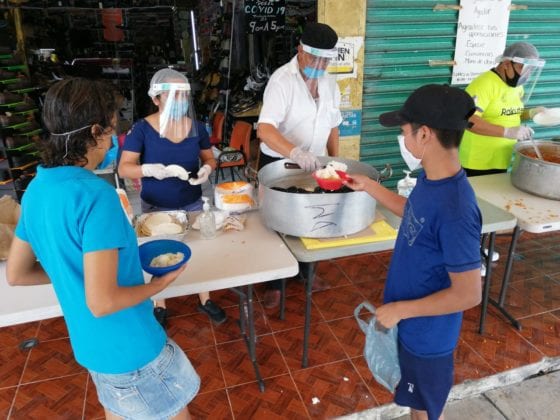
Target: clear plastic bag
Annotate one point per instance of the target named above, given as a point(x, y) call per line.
point(380, 350)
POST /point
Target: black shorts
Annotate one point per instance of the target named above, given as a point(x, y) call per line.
point(425, 382)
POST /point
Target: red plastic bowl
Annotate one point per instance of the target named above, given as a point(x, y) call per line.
point(330, 184)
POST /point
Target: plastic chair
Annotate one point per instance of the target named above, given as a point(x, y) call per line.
point(238, 152)
point(217, 137)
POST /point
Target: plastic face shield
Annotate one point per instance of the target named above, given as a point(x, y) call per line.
point(177, 117)
point(313, 66)
point(316, 60)
point(529, 75)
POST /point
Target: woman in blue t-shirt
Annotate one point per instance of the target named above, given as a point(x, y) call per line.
point(164, 150)
point(73, 223)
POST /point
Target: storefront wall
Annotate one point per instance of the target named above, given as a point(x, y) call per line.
point(348, 20)
point(403, 37)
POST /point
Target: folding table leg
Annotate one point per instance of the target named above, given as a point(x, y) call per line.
point(309, 277)
point(246, 311)
point(487, 277)
point(486, 299)
point(283, 299)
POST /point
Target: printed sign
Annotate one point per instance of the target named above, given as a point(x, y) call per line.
point(481, 37)
point(351, 124)
point(347, 51)
point(264, 16)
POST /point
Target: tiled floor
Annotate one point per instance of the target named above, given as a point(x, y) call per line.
point(45, 382)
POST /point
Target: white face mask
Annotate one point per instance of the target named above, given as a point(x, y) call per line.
point(411, 161)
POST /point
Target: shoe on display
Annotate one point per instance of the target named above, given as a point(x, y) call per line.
point(161, 315)
point(216, 314)
point(271, 298)
point(495, 255)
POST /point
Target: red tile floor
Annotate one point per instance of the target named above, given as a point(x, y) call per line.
point(46, 382)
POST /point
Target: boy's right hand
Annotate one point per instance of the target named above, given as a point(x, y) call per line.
point(358, 182)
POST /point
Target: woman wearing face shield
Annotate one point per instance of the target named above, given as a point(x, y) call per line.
point(165, 150)
point(500, 95)
point(73, 223)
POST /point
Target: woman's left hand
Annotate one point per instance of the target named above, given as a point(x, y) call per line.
point(202, 175)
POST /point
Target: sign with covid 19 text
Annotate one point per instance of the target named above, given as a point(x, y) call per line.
point(264, 16)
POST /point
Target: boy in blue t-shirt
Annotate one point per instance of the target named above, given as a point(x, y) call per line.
point(435, 269)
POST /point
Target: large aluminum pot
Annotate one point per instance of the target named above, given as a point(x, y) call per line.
point(313, 215)
point(535, 176)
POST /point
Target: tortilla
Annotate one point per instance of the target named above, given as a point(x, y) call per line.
point(548, 117)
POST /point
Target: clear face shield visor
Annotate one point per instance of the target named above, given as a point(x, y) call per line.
point(318, 65)
point(177, 117)
point(528, 75)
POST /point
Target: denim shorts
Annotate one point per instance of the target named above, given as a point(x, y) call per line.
point(159, 390)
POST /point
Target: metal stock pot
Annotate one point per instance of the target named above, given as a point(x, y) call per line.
point(313, 214)
point(535, 176)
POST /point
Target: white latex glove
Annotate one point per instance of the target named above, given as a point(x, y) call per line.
point(155, 170)
point(177, 171)
point(202, 175)
point(306, 160)
point(521, 132)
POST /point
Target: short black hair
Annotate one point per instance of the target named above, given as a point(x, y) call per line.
point(448, 139)
point(71, 104)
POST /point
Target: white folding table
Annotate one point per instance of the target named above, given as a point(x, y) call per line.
point(493, 219)
point(232, 260)
point(534, 214)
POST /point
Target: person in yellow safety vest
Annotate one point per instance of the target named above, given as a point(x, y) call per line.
point(501, 95)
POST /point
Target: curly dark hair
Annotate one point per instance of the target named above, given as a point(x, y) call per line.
point(72, 104)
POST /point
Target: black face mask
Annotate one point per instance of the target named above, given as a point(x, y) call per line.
point(512, 81)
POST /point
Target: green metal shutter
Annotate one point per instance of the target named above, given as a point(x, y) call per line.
point(403, 36)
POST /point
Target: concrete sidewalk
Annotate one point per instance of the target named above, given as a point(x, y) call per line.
point(531, 392)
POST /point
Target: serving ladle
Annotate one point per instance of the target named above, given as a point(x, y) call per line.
point(537, 151)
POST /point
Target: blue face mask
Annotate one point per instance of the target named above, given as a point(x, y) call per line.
point(312, 72)
point(111, 154)
point(179, 109)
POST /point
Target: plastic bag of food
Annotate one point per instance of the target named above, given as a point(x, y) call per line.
point(380, 350)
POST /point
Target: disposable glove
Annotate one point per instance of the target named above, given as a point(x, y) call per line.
point(155, 170)
point(306, 160)
point(521, 132)
point(202, 175)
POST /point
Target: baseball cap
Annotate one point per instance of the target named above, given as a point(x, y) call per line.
point(437, 106)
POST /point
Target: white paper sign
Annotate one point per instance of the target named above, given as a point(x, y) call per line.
point(481, 37)
point(344, 65)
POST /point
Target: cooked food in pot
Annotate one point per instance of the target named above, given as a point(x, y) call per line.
point(548, 155)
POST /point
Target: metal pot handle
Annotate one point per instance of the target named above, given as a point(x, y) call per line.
point(386, 173)
point(291, 165)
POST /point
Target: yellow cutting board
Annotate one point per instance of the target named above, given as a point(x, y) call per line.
point(377, 231)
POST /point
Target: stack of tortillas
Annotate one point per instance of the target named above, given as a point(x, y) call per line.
point(160, 224)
